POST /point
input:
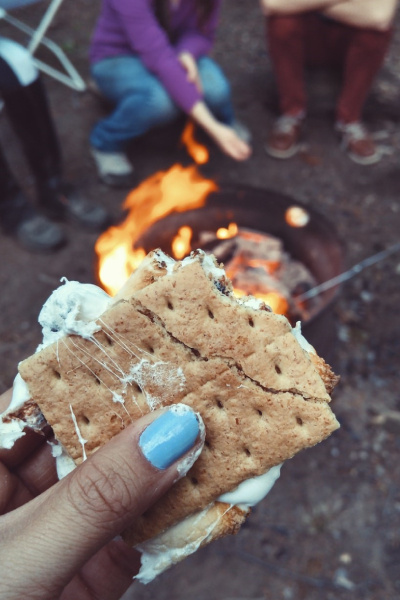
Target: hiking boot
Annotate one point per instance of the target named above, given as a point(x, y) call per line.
point(358, 143)
point(284, 138)
point(32, 230)
point(62, 201)
point(114, 168)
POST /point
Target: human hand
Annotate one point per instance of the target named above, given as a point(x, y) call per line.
point(57, 538)
point(229, 142)
point(188, 62)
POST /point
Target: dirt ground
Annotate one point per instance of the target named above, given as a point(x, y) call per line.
point(330, 529)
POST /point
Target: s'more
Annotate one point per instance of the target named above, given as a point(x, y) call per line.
point(175, 333)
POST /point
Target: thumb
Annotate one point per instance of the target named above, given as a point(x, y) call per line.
point(70, 522)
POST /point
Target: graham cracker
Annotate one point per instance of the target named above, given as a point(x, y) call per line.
point(180, 339)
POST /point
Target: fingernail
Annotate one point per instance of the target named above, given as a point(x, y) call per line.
point(170, 436)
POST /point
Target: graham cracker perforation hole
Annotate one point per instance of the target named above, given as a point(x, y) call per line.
point(85, 420)
point(57, 374)
point(207, 444)
point(247, 452)
point(251, 322)
point(170, 305)
point(194, 481)
point(150, 349)
point(299, 421)
point(219, 404)
point(97, 380)
point(210, 314)
point(109, 340)
point(278, 370)
point(259, 412)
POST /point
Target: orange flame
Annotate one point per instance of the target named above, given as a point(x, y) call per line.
point(181, 242)
point(224, 233)
point(197, 151)
point(178, 189)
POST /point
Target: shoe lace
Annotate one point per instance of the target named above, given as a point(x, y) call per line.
point(354, 131)
point(285, 123)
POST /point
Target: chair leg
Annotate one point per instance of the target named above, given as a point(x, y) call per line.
point(30, 116)
point(72, 79)
point(14, 206)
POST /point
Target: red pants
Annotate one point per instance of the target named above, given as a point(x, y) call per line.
point(307, 39)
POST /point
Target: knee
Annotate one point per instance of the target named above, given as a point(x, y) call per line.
point(161, 104)
point(283, 29)
point(216, 87)
point(374, 40)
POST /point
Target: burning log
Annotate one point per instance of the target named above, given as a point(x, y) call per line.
point(258, 265)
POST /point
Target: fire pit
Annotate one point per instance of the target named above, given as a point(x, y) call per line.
point(179, 210)
point(306, 235)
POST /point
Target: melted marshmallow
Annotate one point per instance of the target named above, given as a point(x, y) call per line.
point(64, 463)
point(207, 262)
point(164, 260)
point(252, 491)
point(160, 552)
point(301, 339)
point(155, 380)
point(72, 309)
point(251, 302)
point(11, 431)
point(172, 546)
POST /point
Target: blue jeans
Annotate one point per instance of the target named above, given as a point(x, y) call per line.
point(142, 102)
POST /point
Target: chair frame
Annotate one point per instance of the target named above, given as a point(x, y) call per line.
point(38, 36)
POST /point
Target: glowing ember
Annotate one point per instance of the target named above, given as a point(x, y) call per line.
point(197, 151)
point(296, 216)
point(178, 189)
point(226, 233)
point(181, 243)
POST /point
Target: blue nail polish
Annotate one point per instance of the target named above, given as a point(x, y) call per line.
point(170, 436)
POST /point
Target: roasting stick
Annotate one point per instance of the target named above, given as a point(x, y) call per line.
point(367, 262)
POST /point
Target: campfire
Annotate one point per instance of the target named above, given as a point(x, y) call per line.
point(177, 190)
point(258, 266)
point(269, 248)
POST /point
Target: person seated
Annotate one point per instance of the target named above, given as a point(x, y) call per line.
point(351, 35)
point(149, 58)
point(24, 97)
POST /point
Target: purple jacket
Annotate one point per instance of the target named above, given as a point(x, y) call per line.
point(130, 27)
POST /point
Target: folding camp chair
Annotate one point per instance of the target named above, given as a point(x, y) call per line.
point(37, 37)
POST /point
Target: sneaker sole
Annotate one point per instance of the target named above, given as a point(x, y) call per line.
point(37, 248)
point(365, 161)
point(282, 154)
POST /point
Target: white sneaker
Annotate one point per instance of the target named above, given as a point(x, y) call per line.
point(113, 168)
